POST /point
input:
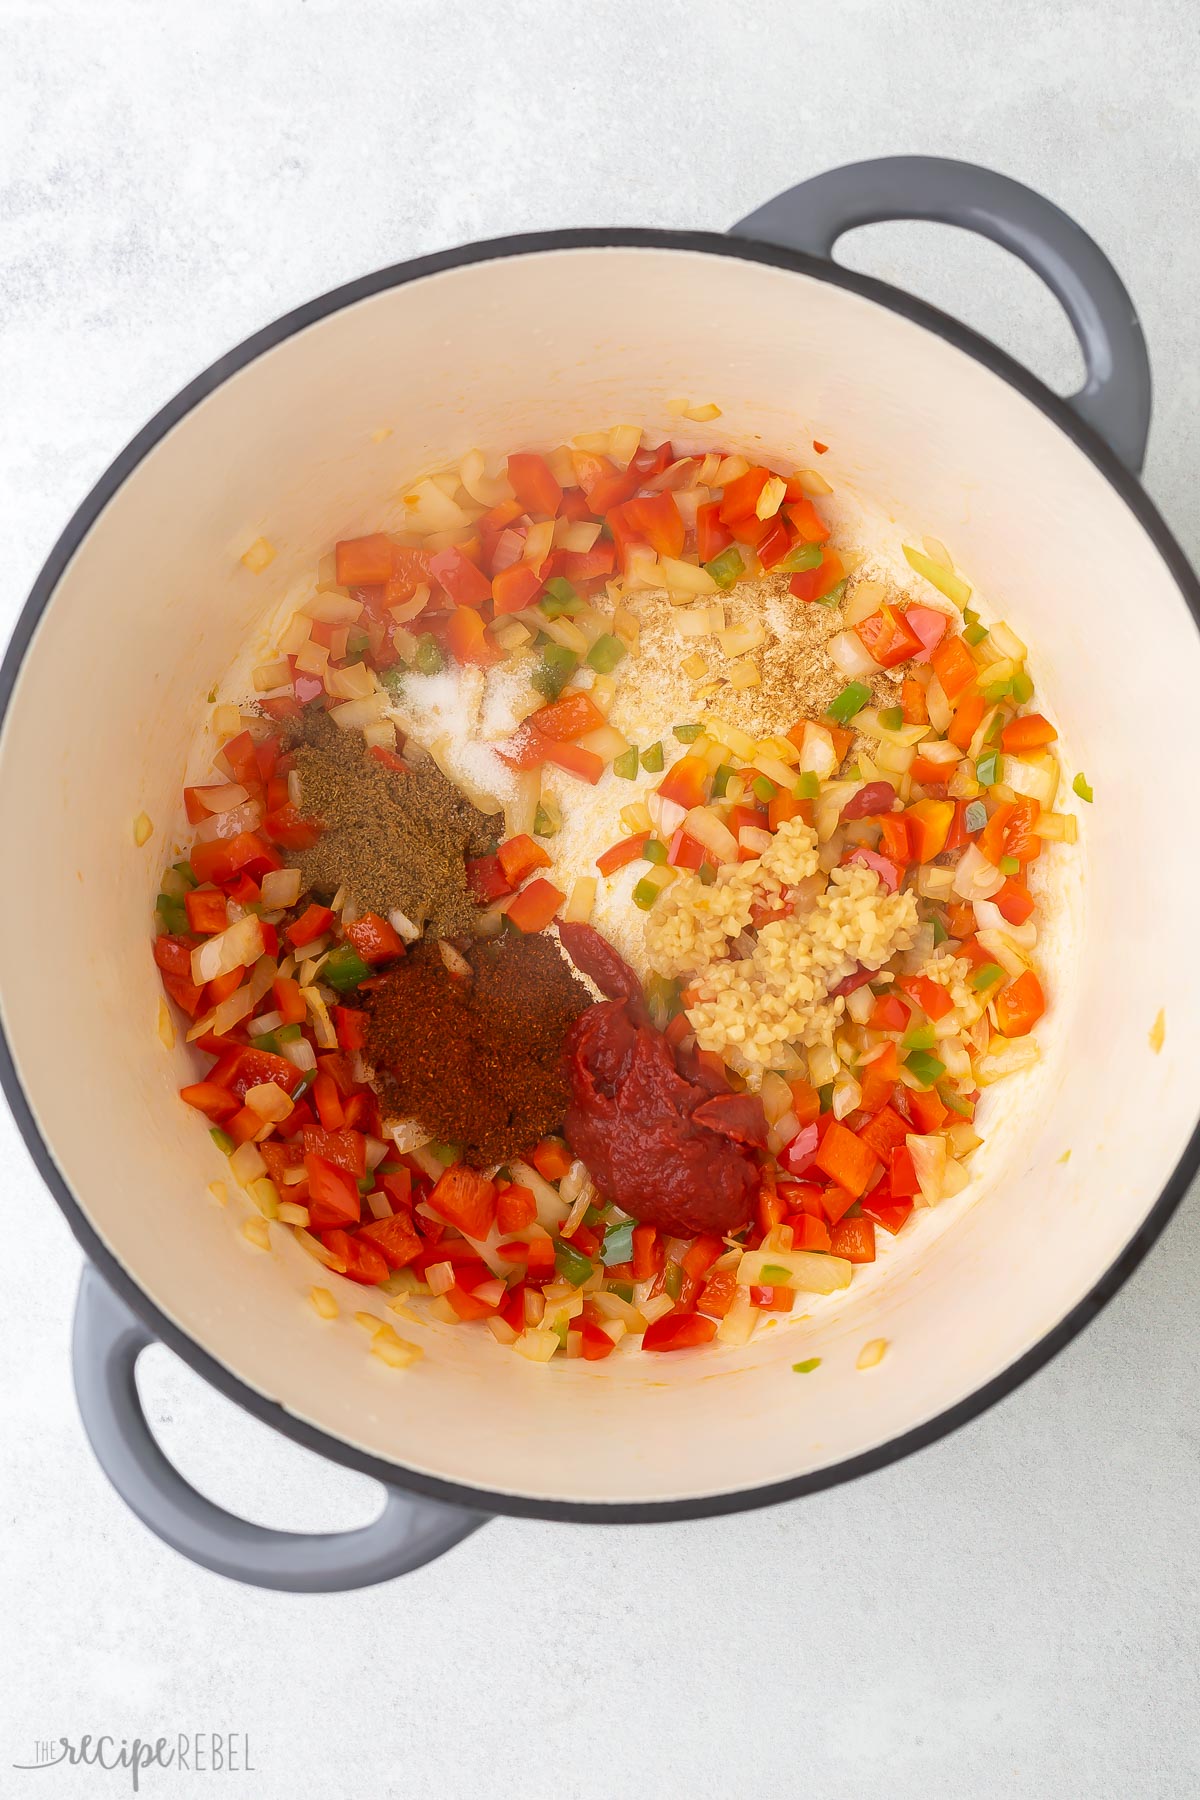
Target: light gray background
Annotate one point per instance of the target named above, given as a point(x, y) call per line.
point(1011, 1613)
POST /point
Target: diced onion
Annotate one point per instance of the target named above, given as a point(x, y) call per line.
point(578, 909)
point(281, 887)
point(606, 742)
point(807, 1271)
point(703, 825)
point(864, 598)
point(1006, 1056)
point(428, 509)
point(1005, 642)
point(754, 839)
point(929, 1165)
point(300, 1054)
point(353, 715)
point(941, 713)
point(975, 878)
point(473, 476)
point(403, 926)
point(231, 824)
point(246, 1164)
point(850, 658)
point(642, 569)
point(332, 608)
point(552, 1208)
point(1036, 776)
point(234, 948)
point(988, 917)
point(456, 963)
point(1002, 949)
point(817, 755)
point(811, 482)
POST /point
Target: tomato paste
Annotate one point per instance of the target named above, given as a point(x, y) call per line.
point(664, 1148)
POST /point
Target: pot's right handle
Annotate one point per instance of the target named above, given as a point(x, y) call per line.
point(408, 1533)
point(1115, 398)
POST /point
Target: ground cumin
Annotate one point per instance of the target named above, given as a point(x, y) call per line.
point(477, 1062)
point(392, 840)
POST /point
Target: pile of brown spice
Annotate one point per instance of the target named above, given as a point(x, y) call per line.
point(393, 839)
point(477, 1060)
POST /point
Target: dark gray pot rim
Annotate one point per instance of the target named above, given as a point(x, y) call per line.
point(1124, 484)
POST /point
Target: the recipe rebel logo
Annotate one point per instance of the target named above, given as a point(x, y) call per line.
point(190, 1752)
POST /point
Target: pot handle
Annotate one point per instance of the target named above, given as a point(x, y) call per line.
point(1115, 398)
point(107, 1341)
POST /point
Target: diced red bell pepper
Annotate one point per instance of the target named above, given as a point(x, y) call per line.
point(700, 1256)
point(887, 637)
point(684, 852)
point(531, 480)
point(933, 1000)
point(913, 703)
point(458, 576)
point(344, 1149)
point(395, 1239)
point(711, 535)
point(585, 765)
point(216, 1103)
point(686, 782)
point(889, 1014)
point(596, 564)
point(572, 716)
point(486, 879)
point(928, 823)
point(333, 1198)
point(929, 1111)
point(1015, 901)
point(313, 922)
point(288, 826)
point(375, 940)
point(1020, 1005)
point(886, 1208)
point(596, 1344)
point(605, 485)
point(351, 1028)
point(679, 1331)
point(238, 757)
point(626, 851)
point(551, 1158)
point(774, 544)
point(465, 1199)
point(854, 1239)
point(883, 1132)
point(835, 1203)
point(515, 588)
point(845, 1160)
point(363, 561)
point(206, 911)
point(467, 640)
point(652, 519)
point(648, 1252)
point(810, 527)
point(364, 1261)
point(809, 1233)
point(954, 667)
point(815, 584)
point(1030, 732)
point(516, 1207)
point(223, 858)
point(328, 1101)
point(519, 857)
point(536, 905)
point(902, 1174)
point(289, 1001)
point(718, 1294)
point(740, 497)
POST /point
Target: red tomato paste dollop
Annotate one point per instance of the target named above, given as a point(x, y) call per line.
point(665, 1148)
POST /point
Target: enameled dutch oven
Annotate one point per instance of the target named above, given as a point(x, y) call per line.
point(526, 341)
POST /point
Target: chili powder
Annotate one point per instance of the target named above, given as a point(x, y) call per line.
point(477, 1061)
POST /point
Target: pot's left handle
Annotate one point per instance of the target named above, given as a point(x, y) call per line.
point(108, 1339)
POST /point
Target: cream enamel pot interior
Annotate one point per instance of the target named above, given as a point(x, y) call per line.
point(143, 605)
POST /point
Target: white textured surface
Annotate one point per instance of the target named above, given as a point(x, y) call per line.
point(1011, 1613)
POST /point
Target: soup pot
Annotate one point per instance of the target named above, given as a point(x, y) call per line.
point(523, 342)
